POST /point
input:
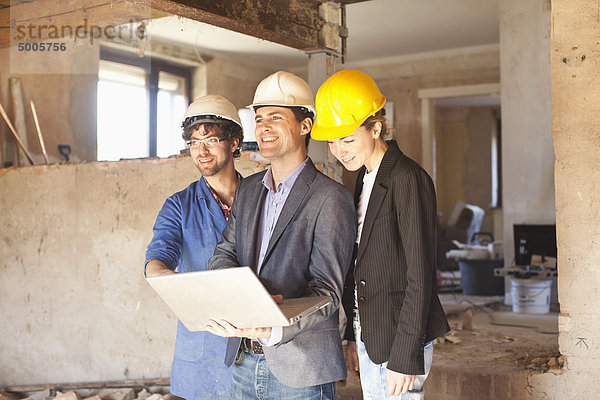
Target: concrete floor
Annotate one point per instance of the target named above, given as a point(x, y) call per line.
point(489, 361)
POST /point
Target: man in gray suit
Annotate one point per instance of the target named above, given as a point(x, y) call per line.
point(296, 228)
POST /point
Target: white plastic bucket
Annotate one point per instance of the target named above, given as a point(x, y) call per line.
point(530, 296)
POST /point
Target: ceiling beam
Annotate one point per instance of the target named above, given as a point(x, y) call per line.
point(293, 23)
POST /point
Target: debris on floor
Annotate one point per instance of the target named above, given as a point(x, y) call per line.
point(541, 363)
point(103, 394)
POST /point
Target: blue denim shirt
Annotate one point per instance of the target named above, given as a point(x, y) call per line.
point(186, 232)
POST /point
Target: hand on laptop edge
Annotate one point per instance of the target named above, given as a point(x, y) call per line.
point(226, 329)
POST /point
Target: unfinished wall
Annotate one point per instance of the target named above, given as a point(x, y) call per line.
point(452, 145)
point(463, 159)
point(575, 68)
point(235, 81)
point(75, 306)
point(527, 149)
point(65, 104)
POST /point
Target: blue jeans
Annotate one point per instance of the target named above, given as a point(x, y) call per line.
point(373, 377)
point(252, 379)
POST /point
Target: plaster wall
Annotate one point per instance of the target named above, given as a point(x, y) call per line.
point(481, 124)
point(235, 81)
point(75, 305)
point(527, 148)
point(575, 69)
point(452, 145)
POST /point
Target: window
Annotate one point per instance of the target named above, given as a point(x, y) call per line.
point(140, 104)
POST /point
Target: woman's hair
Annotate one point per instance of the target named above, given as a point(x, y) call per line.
point(224, 129)
point(373, 119)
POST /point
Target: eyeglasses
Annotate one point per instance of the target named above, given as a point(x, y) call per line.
point(208, 142)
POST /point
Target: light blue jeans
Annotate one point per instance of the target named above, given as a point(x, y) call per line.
point(252, 379)
point(373, 377)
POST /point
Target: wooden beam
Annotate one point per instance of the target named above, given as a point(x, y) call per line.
point(18, 114)
point(293, 23)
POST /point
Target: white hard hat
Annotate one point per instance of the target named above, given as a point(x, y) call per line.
point(284, 89)
point(210, 108)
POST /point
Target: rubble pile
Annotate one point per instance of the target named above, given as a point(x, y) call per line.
point(541, 363)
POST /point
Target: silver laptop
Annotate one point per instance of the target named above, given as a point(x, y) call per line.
point(233, 294)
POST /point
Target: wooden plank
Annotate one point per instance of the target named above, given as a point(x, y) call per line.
point(18, 116)
point(12, 129)
point(44, 18)
point(293, 23)
point(39, 131)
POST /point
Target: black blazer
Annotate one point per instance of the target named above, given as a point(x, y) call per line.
point(395, 269)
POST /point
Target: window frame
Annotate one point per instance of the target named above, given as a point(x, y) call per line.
point(153, 67)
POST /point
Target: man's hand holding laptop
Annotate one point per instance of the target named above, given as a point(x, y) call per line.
point(225, 329)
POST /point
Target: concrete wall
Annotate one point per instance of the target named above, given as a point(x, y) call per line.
point(75, 306)
point(575, 69)
point(527, 149)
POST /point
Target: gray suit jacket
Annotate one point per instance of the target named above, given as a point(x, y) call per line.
point(308, 255)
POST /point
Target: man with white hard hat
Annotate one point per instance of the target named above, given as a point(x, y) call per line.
point(188, 228)
point(293, 226)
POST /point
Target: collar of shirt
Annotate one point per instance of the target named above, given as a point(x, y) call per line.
point(224, 207)
point(285, 184)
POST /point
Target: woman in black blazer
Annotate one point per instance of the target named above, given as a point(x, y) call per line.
point(391, 291)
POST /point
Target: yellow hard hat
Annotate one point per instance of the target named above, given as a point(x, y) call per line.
point(344, 101)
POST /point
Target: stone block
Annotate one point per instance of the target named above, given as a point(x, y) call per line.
point(143, 395)
point(116, 394)
point(329, 37)
point(330, 12)
point(67, 396)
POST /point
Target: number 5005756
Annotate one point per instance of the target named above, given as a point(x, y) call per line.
point(43, 46)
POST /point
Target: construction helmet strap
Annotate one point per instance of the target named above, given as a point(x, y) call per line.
point(198, 119)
